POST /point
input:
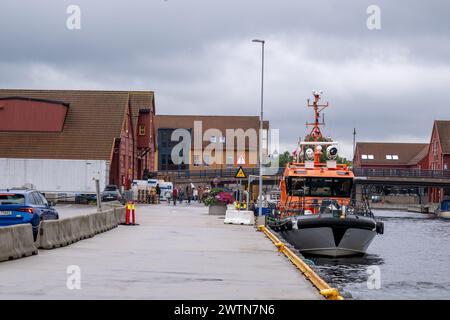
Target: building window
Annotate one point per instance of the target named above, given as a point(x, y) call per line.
point(370, 157)
point(391, 157)
point(142, 130)
point(222, 139)
point(213, 139)
point(445, 166)
point(364, 157)
point(230, 161)
point(196, 160)
point(206, 160)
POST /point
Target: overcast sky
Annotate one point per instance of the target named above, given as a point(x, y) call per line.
point(198, 57)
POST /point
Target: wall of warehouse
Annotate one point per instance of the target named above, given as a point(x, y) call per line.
point(54, 175)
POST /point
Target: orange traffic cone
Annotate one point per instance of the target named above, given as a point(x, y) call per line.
point(127, 213)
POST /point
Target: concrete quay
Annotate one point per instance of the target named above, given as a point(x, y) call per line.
point(175, 253)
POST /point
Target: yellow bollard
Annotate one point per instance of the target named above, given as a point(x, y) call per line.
point(323, 287)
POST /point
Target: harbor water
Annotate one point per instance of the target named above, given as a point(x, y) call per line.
point(411, 260)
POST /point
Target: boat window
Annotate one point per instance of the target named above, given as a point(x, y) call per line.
point(319, 187)
point(342, 187)
point(295, 186)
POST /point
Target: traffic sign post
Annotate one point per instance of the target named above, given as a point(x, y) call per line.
point(240, 194)
point(240, 174)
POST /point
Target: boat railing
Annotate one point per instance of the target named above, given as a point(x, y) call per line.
point(325, 206)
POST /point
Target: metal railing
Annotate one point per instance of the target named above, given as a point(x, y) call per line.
point(358, 172)
point(211, 173)
point(401, 173)
point(325, 205)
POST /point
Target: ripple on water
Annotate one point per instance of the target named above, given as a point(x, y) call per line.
point(413, 257)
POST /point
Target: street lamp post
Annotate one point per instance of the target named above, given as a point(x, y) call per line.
point(261, 127)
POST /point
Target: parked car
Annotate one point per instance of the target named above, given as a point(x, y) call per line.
point(112, 193)
point(19, 206)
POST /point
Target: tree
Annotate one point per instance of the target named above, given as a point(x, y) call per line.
point(285, 158)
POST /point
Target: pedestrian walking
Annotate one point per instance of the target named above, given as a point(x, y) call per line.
point(195, 194)
point(158, 193)
point(188, 194)
point(175, 196)
point(181, 195)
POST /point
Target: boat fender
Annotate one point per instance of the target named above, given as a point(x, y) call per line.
point(289, 225)
point(380, 227)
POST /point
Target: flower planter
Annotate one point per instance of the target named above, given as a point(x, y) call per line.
point(218, 209)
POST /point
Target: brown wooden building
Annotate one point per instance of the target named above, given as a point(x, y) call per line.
point(391, 155)
point(166, 124)
point(116, 126)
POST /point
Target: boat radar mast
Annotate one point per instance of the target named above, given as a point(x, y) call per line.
point(316, 133)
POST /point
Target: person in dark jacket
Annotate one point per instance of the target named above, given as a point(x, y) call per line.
point(188, 194)
point(158, 193)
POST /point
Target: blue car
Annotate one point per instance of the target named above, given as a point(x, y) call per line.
point(18, 206)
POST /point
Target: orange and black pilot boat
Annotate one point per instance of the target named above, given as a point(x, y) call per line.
point(317, 212)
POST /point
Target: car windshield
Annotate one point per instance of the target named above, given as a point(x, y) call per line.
point(12, 199)
point(319, 187)
point(110, 188)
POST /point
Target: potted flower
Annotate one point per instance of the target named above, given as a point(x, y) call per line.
point(217, 201)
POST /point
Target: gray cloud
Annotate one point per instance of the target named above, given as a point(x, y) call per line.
point(197, 55)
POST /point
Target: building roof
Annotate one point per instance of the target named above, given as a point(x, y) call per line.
point(443, 128)
point(208, 122)
point(392, 154)
point(93, 121)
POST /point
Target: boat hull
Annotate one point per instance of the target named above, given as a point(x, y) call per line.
point(330, 236)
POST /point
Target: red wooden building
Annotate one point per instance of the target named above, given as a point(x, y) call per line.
point(428, 156)
point(115, 126)
point(439, 156)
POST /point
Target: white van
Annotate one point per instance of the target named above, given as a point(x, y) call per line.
point(166, 190)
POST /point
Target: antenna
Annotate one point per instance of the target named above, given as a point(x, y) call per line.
point(316, 133)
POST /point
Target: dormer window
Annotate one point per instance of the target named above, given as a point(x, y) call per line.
point(391, 157)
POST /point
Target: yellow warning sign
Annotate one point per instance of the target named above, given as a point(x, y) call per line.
point(240, 174)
